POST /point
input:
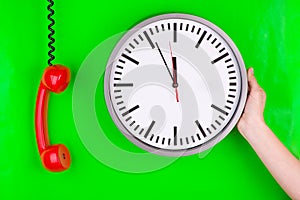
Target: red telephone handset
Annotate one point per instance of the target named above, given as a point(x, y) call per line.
point(54, 157)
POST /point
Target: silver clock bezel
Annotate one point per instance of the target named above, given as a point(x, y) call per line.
point(229, 126)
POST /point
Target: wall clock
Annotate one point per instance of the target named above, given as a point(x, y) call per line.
point(175, 84)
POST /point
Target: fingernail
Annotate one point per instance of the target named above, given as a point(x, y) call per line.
point(252, 71)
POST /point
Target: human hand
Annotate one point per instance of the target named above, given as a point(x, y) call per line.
point(283, 166)
point(255, 105)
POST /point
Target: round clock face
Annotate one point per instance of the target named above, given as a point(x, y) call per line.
point(175, 84)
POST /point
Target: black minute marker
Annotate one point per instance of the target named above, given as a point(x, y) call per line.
point(175, 32)
point(200, 40)
point(219, 109)
point(149, 129)
point(149, 40)
point(123, 84)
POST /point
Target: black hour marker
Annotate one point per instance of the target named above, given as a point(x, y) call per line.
point(219, 109)
point(149, 40)
point(123, 84)
point(200, 39)
point(175, 135)
point(169, 26)
point(232, 90)
point(149, 129)
point(232, 84)
point(130, 110)
point(219, 58)
point(175, 32)
point(117, 79)
point(200, 128)
point(180, 26)
point(130, 59)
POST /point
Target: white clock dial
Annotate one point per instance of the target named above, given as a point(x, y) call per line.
point(174, 84)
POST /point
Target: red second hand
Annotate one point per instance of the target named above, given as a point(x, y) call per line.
point(174, 76)
point(176, 91)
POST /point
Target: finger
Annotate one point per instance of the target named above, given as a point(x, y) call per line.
point(253, 85)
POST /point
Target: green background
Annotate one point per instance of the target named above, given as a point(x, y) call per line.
point(267, 35)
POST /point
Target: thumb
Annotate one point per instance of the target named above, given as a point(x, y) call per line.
point(252, 80)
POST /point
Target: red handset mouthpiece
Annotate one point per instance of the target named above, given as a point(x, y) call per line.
point(54, 157)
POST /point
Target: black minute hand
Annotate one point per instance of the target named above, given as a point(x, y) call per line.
point(164, 61)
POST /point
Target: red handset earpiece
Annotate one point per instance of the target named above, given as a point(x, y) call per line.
point(54, 157)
